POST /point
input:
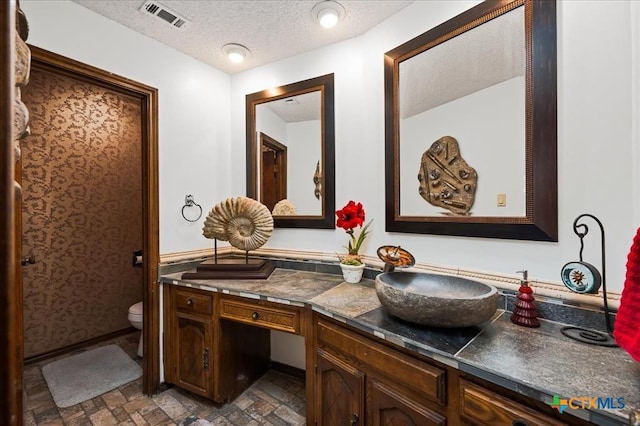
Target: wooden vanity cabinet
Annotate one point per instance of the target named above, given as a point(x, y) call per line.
point(189, 337)
point(362, 382)
point(216, 345)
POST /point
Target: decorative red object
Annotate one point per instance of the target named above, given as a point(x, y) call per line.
point(627, 330)
point(525, 312)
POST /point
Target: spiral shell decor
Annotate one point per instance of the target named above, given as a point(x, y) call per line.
point(246, 223)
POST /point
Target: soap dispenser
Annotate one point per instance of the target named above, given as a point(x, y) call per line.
point(525, 312)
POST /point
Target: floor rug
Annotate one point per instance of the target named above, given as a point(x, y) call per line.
point(88, 374)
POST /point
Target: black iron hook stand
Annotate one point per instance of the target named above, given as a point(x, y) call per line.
point(578, 333)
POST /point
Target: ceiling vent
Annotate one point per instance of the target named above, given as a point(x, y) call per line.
point(164, 13)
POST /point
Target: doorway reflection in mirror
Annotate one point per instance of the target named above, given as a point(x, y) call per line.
point(290, 132)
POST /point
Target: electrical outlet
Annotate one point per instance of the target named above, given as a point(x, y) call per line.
point(502, 200)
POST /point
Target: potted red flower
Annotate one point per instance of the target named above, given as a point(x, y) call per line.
point(349, 217)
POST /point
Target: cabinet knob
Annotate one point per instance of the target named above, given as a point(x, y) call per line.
point(190, 301)
point(354, 419)
point(255, 315)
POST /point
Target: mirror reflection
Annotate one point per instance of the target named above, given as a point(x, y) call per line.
point(290, 152)
point(471, 125)
point(480, 102)
point(290, 135)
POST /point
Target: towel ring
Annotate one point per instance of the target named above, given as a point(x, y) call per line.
point(189, 202)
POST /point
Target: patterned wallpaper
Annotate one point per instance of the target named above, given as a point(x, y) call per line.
point(82, 211)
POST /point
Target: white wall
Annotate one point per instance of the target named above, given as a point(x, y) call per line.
point(202, 129)
point(193, 107)
point(596, 152)
point(489, 127)
point(303, 155)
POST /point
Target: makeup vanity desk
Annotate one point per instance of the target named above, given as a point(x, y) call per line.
point(364, 366)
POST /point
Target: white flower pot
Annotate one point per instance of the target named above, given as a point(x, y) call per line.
point(352, 274)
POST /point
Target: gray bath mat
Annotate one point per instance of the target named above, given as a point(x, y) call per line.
point(83, 376)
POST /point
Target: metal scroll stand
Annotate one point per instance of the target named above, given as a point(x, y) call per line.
point(577, 333)
point(189, 202)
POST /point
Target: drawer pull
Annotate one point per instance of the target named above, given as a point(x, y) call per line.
point(190, 301)
point(354, 419)
point(205, 359)
point(255, 315)
point(519, 422)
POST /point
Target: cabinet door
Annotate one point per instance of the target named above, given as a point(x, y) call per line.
point(193, 363)
point(339, 392)
point(388, 407)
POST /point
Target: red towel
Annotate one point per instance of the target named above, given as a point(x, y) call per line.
point(627, 326)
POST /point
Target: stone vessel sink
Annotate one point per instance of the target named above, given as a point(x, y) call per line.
point(436, 300)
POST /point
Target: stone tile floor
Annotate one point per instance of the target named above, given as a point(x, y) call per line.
point(275, 399)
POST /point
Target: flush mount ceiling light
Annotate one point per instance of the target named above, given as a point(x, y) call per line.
point(327, 13)
point(236, 53)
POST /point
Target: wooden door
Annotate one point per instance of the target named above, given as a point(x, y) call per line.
point(269, 180)
point(193, 353)
point(339, 391)
point(273, 182)
point(14, 71)
point(388, 407)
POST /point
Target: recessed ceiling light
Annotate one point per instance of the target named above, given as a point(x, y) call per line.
point(327, 13)
point(236, 53)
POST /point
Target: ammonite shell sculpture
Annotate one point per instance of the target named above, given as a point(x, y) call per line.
point(246, 223)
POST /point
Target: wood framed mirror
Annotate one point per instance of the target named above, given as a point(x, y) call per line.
point(290, 146)
point(471, 111)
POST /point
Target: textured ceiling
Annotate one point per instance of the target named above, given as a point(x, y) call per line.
point(270, 29)
point(305, 107)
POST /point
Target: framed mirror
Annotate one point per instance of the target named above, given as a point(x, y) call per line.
point(291, 152)
point(471, 125)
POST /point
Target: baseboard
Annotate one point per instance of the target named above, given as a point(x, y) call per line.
point(288, 369)
point(80, 345)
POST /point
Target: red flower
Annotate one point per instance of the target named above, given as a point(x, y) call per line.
point(350, 216)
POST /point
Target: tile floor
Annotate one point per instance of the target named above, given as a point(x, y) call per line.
point(275, 399)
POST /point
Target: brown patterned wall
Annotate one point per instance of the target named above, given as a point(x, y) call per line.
point(82, 211)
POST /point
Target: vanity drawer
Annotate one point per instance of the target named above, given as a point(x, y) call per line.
point(482, 407)
point(263, 314)
point(194, 301)
point(424, 379)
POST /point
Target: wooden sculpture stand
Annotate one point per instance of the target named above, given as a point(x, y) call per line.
point(231, 269)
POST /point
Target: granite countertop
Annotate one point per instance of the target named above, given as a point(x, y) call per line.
point(539, 362)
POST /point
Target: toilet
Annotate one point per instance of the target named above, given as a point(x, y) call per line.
point(135, 318)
